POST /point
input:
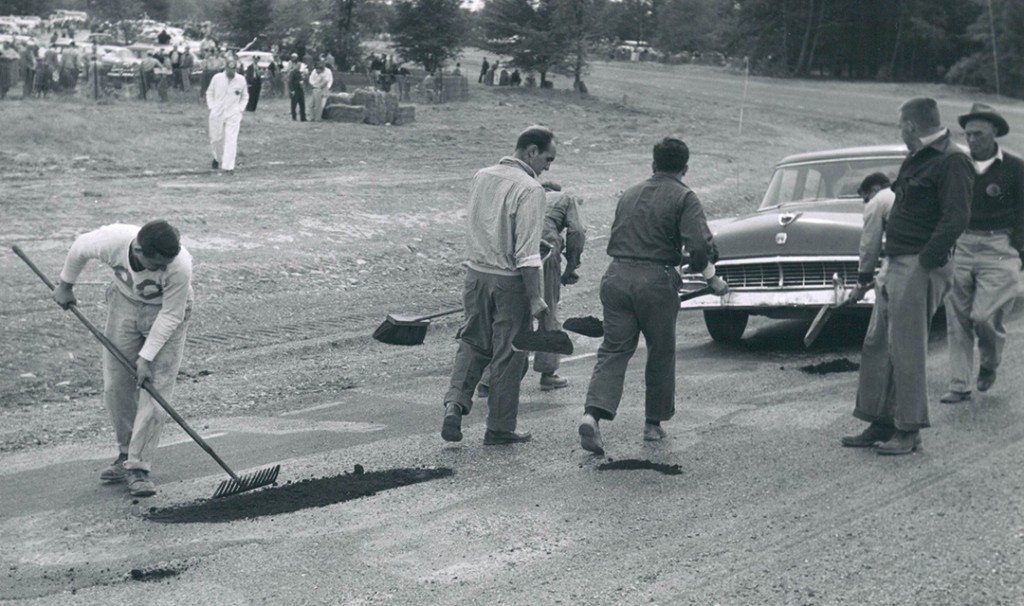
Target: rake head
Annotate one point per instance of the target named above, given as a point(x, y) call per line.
point(252, 481)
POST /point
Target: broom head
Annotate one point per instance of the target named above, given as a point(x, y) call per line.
point(401, 330)
point(548, 341)
point(588, 326)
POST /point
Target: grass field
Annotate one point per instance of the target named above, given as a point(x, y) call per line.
point(326, 227)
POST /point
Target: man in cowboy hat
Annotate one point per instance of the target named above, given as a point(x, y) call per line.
point(987, 262)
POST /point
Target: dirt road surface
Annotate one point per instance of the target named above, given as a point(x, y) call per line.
point(304, 251)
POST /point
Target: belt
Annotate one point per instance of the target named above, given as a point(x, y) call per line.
point(644, 261)
point(989, 232)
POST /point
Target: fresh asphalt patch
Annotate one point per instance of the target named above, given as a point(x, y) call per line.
point(295, 496)
point(155, 573)
point(831, 366)
point(641, 465)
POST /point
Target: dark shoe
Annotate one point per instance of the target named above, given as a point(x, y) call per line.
point(494, 438)
point(482, 391)
point(215, 165)
point(955, 397)
point(116, 472)
point(654, 433)
point(139, 484)
point(902, 443)
point(590, 435)
point(451, 428)
point(874, 434)
point(986, 378)
point(549, 382)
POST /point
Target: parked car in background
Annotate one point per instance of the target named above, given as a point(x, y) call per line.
point(262, 58)
point(799, 249)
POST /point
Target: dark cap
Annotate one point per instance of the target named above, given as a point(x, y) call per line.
point(980, 111)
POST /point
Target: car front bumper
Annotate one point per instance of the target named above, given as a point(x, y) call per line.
point(765, 300)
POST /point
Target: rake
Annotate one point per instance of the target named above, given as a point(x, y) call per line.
point(236, 484)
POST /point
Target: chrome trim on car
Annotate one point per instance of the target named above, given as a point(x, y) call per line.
point(766, 300)
point(846, 159)
point(786, 273)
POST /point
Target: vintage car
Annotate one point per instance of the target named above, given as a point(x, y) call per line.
point(799, 250)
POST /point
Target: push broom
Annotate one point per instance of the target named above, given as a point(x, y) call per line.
point(236, 484)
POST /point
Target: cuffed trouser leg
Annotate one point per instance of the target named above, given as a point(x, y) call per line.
point(231, 126)
point(959, 328)
point(150, 416)
point(621, 336)
point(657, 307)
point(913, 294)
point(548, 362)
point(216, 125)
point(120, 395)
point(997, 279)
point(496, 309)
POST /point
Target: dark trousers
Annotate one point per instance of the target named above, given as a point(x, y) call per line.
point(497, 309)
point(254, 97)
point(893, 385)
point(298, 101)
point(638, 297)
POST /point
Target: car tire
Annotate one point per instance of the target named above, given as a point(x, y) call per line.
point(726, 325)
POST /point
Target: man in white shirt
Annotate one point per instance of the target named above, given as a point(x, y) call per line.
point(876, 191)
point(226, 98)
point(148, 308)
point(320, 80)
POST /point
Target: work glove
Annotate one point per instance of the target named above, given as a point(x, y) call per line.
point(537, 307)
point(718, 286)
point(858, 292)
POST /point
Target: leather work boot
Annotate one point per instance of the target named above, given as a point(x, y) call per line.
point(955, 397)
point(139, 484)
point(902, 443)
point(551, 381)
point(116, 471)
point(482, 391)
point(654, 433)
point(451, 427)
point(876, 432)
point(496, 438)
point(590, 435)
point(986, 378)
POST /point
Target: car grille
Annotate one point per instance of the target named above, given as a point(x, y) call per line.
point(788, 274)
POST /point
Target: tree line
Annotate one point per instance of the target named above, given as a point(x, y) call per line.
point(957, 41)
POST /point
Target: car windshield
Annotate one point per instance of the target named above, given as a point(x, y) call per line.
point(826, 180)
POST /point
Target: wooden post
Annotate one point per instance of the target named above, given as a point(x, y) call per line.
point(995, 53)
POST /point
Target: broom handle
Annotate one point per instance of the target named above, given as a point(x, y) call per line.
point(130, 368)
point(439, 314)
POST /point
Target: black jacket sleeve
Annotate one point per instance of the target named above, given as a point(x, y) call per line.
point(956, 188)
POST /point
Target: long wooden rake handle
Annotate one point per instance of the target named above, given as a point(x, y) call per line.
point(131, 369)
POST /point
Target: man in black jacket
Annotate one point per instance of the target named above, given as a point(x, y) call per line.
point(653, 221)
point(295, 90)
point(987, 263)
point(932, 208)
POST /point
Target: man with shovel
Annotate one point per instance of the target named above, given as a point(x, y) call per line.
point(654, 221)
point(562, 224)
point(148, 307)
point(503, 289)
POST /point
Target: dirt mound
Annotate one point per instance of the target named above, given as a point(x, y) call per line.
point(314, 492)
point(638, 464)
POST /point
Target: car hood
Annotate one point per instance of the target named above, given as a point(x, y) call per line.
point(811, 229)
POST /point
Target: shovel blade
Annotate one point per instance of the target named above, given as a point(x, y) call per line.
point(252, 481)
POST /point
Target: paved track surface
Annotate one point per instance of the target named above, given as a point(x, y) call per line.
point(768, 508)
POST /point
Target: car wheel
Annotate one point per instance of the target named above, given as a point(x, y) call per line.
point(726, 325)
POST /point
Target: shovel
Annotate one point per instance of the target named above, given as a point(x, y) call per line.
point(236, 484)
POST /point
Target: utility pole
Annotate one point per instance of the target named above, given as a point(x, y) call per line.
point(995, 53)
point(95, 73)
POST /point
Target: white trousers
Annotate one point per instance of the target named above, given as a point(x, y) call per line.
point(224, 139)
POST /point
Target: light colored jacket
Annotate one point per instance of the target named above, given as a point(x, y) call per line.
point(321, 80)
point(227, 98)
point(876, 214)
point(506, 218)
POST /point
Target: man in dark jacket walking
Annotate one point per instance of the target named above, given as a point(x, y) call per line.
point(295, 87)
point(653, 221)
